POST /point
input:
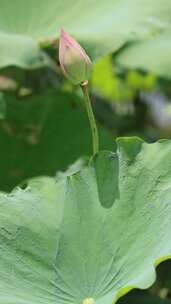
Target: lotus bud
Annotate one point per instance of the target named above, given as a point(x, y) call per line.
point(75, 63)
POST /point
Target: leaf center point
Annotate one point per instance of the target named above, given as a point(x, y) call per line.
point(88, 301)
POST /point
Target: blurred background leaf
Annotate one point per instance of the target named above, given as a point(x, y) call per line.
point(102, 27)
point(152, 55)
point(142, 298)
point(2, 106)
point(42, 134)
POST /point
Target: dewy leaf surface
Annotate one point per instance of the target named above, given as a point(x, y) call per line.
point(101, 26)
point(75, 240)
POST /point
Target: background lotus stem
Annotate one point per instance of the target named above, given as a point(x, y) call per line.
point(87, 102)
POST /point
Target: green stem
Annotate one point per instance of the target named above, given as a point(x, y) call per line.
point(95, 137)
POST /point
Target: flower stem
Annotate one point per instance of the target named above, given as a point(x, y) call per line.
point(93, 126)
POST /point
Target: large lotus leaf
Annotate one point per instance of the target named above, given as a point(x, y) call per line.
point(149, 55)
point(92, 236)
point(42, 134)
point(102, 26)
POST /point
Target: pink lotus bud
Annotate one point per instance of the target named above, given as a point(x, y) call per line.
point(75, 63)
